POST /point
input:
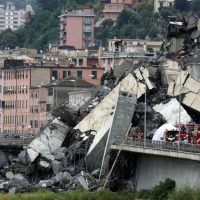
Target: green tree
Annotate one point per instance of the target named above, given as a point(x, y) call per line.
point(49, 4)
point(107, 23)
point(8, 39)
point(195, 5)
point(153, 32)
point(165, 12)
point(182, 5)
point(123, 18)
point(163, 190)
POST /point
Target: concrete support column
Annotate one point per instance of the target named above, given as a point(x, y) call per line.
point(122, 119)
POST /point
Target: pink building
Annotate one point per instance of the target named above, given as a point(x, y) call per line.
point(1, 100)
point(113, 9)
point(89, 74)
point(38, 112)
point(77, 28)
point(26, 102)
point(18, 102)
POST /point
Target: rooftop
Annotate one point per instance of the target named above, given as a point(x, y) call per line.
point(71, 81)
point(78, 13)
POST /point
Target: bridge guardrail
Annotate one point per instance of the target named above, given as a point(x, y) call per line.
point(162, 145)
point(15, 141)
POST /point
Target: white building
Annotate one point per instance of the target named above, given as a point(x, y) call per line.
point(12, 18)
point(134, 45)
point(162, 3)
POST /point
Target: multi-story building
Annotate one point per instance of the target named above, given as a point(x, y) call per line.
point(162, 3)
point(17, 99)
point(38, 109)
point(77, 28)
point(71, 89)
point(113, 9)
point(133, 45)
point(131, 50)
point(90, 74)
point(12, 18)
point(1, 100)
point(25, 100)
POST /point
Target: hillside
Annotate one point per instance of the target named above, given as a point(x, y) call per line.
point(140, 22)
point(44, 26)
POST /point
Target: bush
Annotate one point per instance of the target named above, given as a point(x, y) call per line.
point(162, 191)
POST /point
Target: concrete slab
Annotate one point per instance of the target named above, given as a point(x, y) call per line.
point(176, 45)
point(101, 115)
point(196, 104)
point(49, 141)
point(170, 111)
point(198, 24)
point(183, 75)
point(179, 90)
point(192, 85)
point(138, 74)
point(189, 99)
point(170, 90)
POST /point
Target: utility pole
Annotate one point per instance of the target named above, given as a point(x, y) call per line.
point(179, 109)
point(145, 111)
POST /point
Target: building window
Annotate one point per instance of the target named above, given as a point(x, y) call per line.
point(50, 91)
point(79, 74)
point(48, 107)
point(87, 20)
point(55, 74)
point(36, 124)
point(170, 4)
point(161, 5)
point(94, 74)
point(66, 73)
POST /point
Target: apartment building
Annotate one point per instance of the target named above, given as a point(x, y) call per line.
point(71, 89)
point(77, 28)
point(90, 74)
point(38, 116)
point(1, 100)
point(18, 99)
point(162, 3)
point(12, 18)
point(25, 108)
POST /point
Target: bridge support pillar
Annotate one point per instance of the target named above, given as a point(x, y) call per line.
point(121, 121)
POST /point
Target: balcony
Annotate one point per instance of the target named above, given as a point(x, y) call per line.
point(87, 29)
point(87, 21)
point(62, 28)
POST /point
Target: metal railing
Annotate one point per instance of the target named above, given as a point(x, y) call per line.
point(15, 141)
point(159, 145)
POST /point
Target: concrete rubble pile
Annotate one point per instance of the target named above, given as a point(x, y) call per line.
point(183, 36)
point(181, 64)
point(56, 159)
point(63, 155)
point(73, 151)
